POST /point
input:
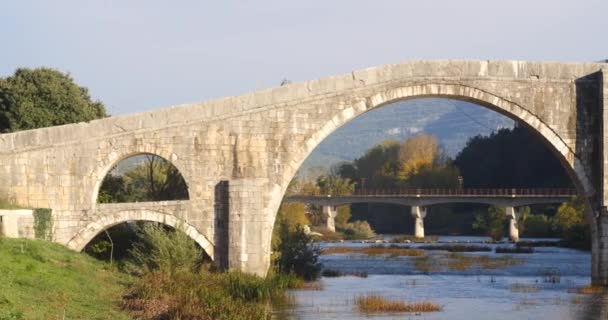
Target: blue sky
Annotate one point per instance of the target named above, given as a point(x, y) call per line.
point(142, 55)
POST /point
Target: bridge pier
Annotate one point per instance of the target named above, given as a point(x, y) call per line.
point(419, 213)
point(513, 216)
point(330, 213)
point(249, 228)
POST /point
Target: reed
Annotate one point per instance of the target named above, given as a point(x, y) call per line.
point(374, 303)
point(377, 250)
point(589, 289)
point(524, 288)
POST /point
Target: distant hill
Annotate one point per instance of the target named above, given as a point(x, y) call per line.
point(452, 122)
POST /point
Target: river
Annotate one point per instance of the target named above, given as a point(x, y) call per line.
point(540, 285)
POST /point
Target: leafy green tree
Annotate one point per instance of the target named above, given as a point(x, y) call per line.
point(154, 179)
point(296, 254)
point(569, 215)
point(537, 225)
point(293, 214)
point(570, 222)
point(343, 215)
point(491, 222)
point(496, 161)
point(164, 250)
point(43, 97)
point(335, 185)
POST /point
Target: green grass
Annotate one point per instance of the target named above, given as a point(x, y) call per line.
point(42, 280)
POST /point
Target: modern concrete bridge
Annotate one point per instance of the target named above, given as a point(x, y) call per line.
point(420, 199)
point(238, 154)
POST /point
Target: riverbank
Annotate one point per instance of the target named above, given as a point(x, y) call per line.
point(43, 280)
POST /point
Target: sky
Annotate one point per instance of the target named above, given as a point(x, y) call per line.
point(141, 55)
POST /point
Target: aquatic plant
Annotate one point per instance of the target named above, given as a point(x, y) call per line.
point(374, 303)
point(376, 250)
point(517, 249)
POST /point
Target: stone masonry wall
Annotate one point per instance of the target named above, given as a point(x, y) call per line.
point(257, 141)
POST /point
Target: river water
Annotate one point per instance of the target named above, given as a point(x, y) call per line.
point(539, 285)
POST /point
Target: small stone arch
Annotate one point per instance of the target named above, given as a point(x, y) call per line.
point(113, 158)
point(86, 234)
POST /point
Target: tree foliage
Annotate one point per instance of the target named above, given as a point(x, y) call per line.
point(154, 179)
point(491, 222)
point(296, 254)
point(510, 158)
point(43, 97)
point(293, 214)
point(163, 250)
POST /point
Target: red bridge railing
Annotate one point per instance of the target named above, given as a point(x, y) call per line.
point(539, 192)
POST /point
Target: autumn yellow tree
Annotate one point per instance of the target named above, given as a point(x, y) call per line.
point(416, 153)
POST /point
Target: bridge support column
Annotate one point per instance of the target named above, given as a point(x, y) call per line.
point(599, 204)
point(249, 227)
point(330, 213)
point(418, 213)
point(513, 216)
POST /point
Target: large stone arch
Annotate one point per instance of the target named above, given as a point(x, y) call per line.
point(506, 107)
point(450, 91)
point(113, 158)
point(79, 241)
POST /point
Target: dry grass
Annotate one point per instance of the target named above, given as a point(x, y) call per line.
point(374, 303)
point(377, 250)
point(414, 282)
point(458, 262)
point(456, 248)
point(312, 286)
point(524, 288)
point(411, 238)
point(590, 289)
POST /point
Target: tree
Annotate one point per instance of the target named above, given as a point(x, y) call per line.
point(417, 152)
point(43, 97)
point(295, 253)
point(510, 158)
point(492, 222)
point(335, 185)
point(293, 214)
point(570, 221)
point(343, 215)
point(154, 179)
point(569, 215)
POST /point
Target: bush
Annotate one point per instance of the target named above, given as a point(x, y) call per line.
point(492, 223)
point(343, 215)
point(296, 254)
point(537, 225)
point(357, 230)
point(163, 250)
point(201, 295)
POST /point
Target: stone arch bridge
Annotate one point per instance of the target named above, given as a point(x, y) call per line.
point(238, 154)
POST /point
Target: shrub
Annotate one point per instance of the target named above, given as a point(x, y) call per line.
point(357, 230)
point(296, 254)
point(163, 250)
point(537, 225)
point(492, 222)
point(201, 295)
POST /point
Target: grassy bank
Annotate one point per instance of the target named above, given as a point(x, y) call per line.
point(42, 280)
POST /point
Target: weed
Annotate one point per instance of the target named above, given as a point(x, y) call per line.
point(374, 303)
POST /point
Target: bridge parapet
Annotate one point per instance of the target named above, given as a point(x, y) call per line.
point(425, 197)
